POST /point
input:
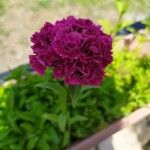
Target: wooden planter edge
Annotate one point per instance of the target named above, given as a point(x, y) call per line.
point(98, 137)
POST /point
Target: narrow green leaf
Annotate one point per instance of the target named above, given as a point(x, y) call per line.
point(7, 142)
point(51, 117)
point(119, 6)
point(54, 136)
point(77, 118)
point(75, 92)
point(25, 116)
point(3, 134)
point(44, 144)
point(12, 121)
point(32, 142)
point(85, 95)
point(85, 88)
point(54, 86)
point(26, 126)
point(122, 6)
point(11, 102)
point(66, 138)
point(62, 120)
point(16, 147)
point(48, 75)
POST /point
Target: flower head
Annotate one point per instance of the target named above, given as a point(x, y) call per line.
point(76, 49)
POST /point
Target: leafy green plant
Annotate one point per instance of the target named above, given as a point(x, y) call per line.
point(39, 117)
point(33, 116)
point(122, 7)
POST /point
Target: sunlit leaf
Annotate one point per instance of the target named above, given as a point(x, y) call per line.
point(54, 86)
point(77, 118)
point(62, 120)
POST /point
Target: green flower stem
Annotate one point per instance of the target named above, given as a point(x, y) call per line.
point(75, 91)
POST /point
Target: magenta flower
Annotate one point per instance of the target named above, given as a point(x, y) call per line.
point(76, 49)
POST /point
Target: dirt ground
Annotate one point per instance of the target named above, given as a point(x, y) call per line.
point(22, 18)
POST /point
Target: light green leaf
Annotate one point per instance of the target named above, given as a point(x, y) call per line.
point(106, 25)
point(77, 118)
point(54, 86)
point(85, 88)
point(122, 6)
point(85, 95)
point(62, 120)
point(66, 138)
point(51, 117)
point(119, 6)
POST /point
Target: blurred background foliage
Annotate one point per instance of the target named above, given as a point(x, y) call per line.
point(3, 4)
point(140, 6)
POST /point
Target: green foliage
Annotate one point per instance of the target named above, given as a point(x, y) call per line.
point(74, 92)
point(85, 2)
point(37, 115)
point(122, 6)
point(132, 79)
point(43, 3)
point(2, 6)
point(54, 86)
point(31, 116)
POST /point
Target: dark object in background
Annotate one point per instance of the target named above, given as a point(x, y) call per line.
point(4, 75)
point(135, 26)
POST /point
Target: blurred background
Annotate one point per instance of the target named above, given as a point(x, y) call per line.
point(20, 18)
